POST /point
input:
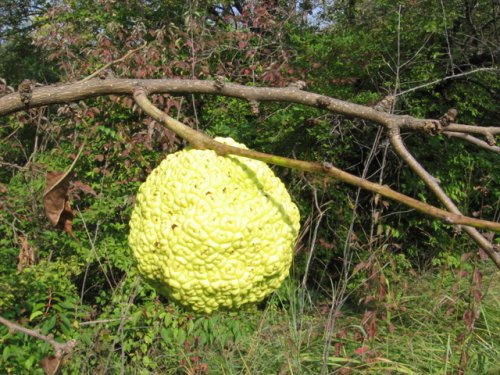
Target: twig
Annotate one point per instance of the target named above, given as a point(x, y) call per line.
point(453, 76)
point(126, 56)
point(475, 141)
point(99, 321)
point(63, 176)
point(60, 349)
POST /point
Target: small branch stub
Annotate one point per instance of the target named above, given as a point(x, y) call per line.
point(449, 117)
point(385, 105)
point(25, 90)
point(322, 102)
point(327, 166)
point(490, 139)
point(254, 107)
point(433, 127)
point(219, 83)
point(299, 85)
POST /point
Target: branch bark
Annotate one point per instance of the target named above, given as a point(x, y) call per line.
point(475, 141)
point(85, 89)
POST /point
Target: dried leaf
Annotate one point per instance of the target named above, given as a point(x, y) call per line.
point(361, 351)
point(325, 244)
point(477, 277)
point(392, 328)
point(50, 364)
point(55, 196)
point(84, 188)
point(360, 266)
point(482, 254)
point(56, 201)
point(478, 296)
point(468, 318)
point(27, 254)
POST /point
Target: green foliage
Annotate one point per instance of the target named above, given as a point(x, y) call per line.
point(406, 270)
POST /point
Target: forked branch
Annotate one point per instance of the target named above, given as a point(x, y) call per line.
point(202, 141)
point(140, 88)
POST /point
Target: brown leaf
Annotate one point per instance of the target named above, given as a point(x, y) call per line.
point(27, 254)
point(360, 266)
point(361, 351)
point(468, 318)
point(84, 188)
point(325, 244)
point(392, 328)
point(55, 196)
point(50, 364)
point(56, 201)
point(477, 277)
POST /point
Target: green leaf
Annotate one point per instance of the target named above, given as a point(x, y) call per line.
point(49, 324)
point(165, 335)
point(180, 336)
point(35, 314)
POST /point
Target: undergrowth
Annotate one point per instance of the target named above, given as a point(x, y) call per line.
point(141, 334)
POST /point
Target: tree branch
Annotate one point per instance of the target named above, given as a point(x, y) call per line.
point(75, 91)
point(70, 92)
point(454, 76)
point(475, 141)
point(471, 129)
point(40, 96)
point(60, 349)
point(202, 141)
point(433, 185)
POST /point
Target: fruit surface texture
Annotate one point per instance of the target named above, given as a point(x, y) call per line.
point(213, 232)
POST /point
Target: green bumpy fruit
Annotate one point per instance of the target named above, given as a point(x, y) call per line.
point(213, 231)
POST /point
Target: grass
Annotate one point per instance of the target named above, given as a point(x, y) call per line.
point(422, 331)
point(425, 335)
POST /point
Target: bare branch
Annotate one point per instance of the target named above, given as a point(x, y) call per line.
point(202, 141)
point(70, 92)
point(432, 183)
point(60, 349)
point(123, 58)
point(475, 141)
point(471, 129)
point(454, 76)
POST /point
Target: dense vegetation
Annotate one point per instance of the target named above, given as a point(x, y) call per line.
point(375, 288)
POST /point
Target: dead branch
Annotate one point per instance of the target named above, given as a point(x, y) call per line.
point(60, 349)
point(475, 141)
point(453, 76)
